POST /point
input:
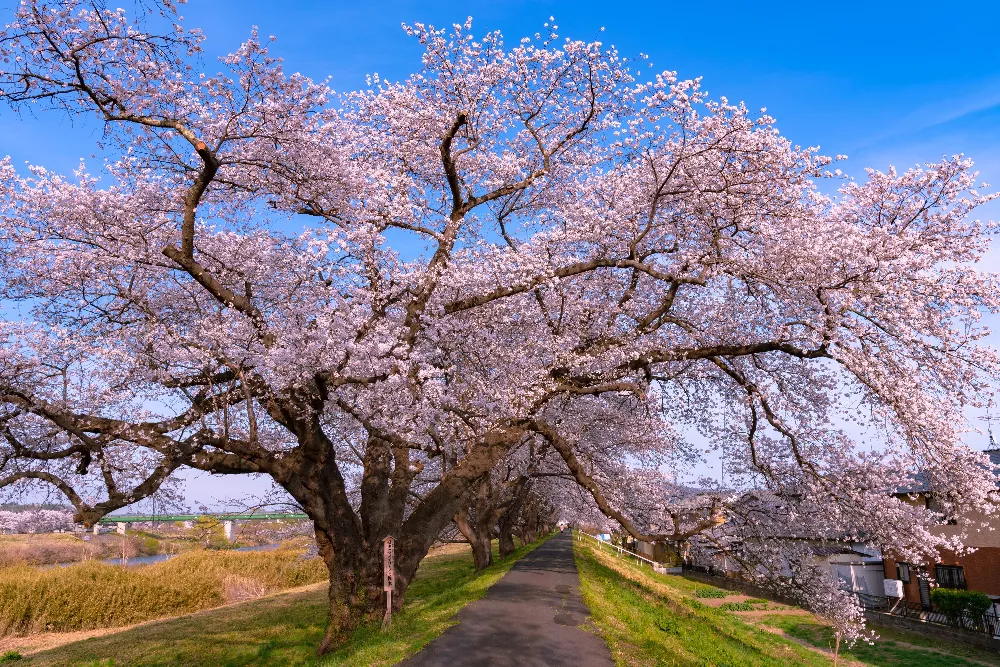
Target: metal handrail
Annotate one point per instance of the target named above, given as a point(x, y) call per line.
point(988, 623)
point(621, 550)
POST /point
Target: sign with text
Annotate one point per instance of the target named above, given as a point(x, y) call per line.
point(388, 576)
point(389, 563)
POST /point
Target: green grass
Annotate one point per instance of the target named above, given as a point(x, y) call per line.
point(95, 595)
point(649, 619)
point(755, 604)
point(892, 649)
point(710, 592)
point(655, 619)
point(285, 629)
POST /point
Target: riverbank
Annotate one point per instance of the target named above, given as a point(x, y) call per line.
point(93, 595)
point(286, 628)
point(150, 544)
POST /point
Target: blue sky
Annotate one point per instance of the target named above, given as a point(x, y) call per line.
point(883, 82)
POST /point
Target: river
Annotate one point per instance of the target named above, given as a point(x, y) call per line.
point(159, 558)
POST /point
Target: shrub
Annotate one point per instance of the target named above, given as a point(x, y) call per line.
point(710, 592)
point(10, 656)
point(95, 595)
point(746, 605)
point(956, 604)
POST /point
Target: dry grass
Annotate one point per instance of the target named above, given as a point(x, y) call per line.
point(46, 549)
point(285, 629)
point(94, 595)
point(236, 588)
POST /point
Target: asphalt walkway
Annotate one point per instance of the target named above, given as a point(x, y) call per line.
point(532, 616)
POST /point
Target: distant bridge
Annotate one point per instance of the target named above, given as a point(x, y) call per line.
point(227, 519)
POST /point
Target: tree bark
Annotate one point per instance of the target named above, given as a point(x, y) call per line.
point(479, 539)
point(350, 541)
point(506, 536)
point(510, 515)
point(355, 592)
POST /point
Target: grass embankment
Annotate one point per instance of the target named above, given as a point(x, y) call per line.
point(285, 629)
point(656, 619)
point(647, 621)
point(95, 595)
point(892, 649)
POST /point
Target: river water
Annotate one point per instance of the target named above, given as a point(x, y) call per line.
point(159, 558)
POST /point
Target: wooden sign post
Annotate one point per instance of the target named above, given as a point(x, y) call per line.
point(388, 575)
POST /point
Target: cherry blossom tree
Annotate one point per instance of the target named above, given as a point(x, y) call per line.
point(35, 521)
point(375, 297)
point(508, 499)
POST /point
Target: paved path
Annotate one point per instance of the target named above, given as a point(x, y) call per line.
point(529, 617)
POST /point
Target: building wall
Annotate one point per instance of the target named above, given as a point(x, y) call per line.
point(982, 572)
point(982, 569)
point(980, 530)
point(658, 552)
point(911, 592)
point(860, 577)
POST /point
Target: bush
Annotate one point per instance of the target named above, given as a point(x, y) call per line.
point(957, 604)
point(747, 605)
point(710, 592)
point(94, 595)
point(10, 656)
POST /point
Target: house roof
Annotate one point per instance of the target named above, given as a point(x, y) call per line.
point(826, 550)
point(920, 482)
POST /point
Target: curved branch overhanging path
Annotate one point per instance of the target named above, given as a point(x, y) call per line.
point(532, 616)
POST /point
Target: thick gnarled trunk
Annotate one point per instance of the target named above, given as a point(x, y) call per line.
point(506, 535)
point(355, 592)
point(479, 534)
point(350, 540)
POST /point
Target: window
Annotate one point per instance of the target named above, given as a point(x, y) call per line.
point(903, 572)
point(950, 576)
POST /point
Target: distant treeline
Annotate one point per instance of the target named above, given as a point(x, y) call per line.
point(53, 507)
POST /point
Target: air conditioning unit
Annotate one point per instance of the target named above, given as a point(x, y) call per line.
point(893, 588)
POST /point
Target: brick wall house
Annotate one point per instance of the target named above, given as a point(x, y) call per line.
point(978, 571)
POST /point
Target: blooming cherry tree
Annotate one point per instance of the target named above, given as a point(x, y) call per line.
point(375, 297)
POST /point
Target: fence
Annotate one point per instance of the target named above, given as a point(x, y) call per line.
point(621, 550)
point(988, 623)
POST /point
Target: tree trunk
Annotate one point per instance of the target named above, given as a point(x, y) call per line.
point(350, 541)
point(507, 545)
point(510, 515)
point(355, 593)
point(479, 539)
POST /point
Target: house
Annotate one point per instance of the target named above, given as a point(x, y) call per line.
point(858, 568)
point(855, 565)
point(661, 553)
point(977, 571)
